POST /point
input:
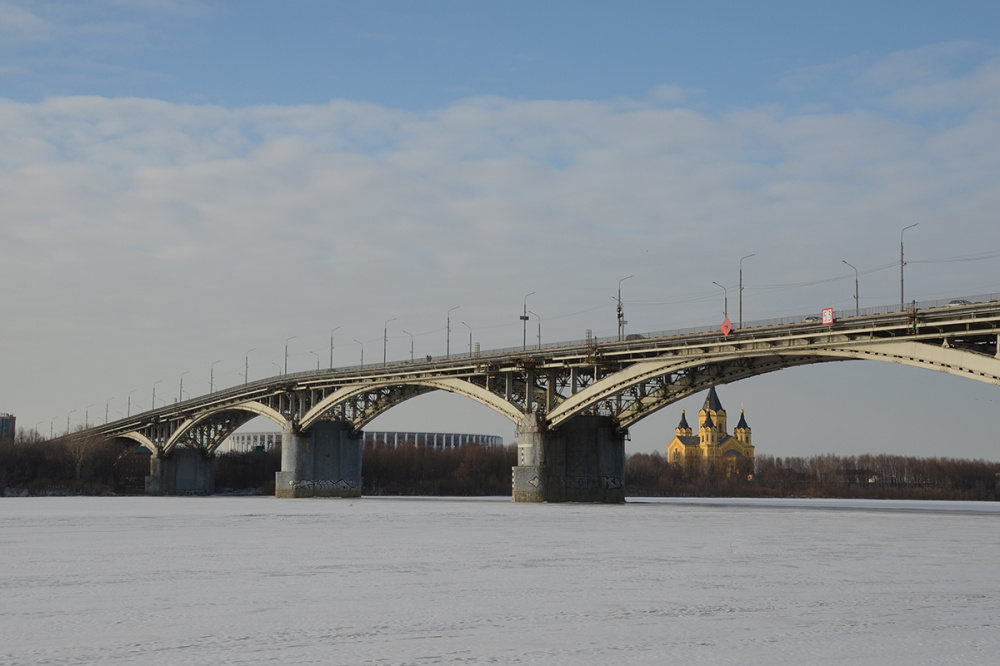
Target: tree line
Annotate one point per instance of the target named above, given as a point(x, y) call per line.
point(864, 476)
point(91, 465)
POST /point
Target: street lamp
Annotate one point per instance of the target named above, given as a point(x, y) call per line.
point(539, 327)
point(470, 337)
point(211, 377)
point(856, 309)
point(362, 352)
point(246, 365)
point(277, 366)
point(331, 345)
point(411, 345)
point(385, 337)
point(317, 359)
point(108, 402)
point(524, 323)
point(902, 300)
point(447, 347)
point(154, 393)
point(86, 416)
point(67, 420)
point(725, 310)
point(741, 286)
point(286, 353)
point(180, 392)
point(621, 315)
point(129, 410)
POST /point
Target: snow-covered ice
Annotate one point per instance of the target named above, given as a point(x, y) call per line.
point(243, 580)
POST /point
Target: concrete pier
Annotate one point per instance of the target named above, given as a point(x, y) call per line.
point(183, 471)
point(324, 461)
point(582, 461)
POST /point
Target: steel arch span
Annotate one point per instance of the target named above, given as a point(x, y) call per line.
point(625, 381)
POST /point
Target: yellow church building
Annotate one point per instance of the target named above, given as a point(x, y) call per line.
point(712, 445)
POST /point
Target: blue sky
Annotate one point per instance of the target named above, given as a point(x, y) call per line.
point(184, 181)
point(424, 55)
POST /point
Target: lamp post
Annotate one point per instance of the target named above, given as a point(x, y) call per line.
point(86, 416)
point(856, 308)
point(67, 420)
point(362, 352)
point(621, 315)
point(741, 285)
point(447, 345)
point(286, 354)
point(129, 410)
point(524, 323)
point(180, 391)
point(902, 300)
point(411, 345)
point(539, 327)
point(470, 337)
point(154, 393)
point(246, 365)
point(331, 345)
point(317, 359)
point(725, 309)
point(106, 404)
point(52, 422)
point(277, 366)
point(211, 377)
point(385, 337)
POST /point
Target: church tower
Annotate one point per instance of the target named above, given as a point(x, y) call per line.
point(682, 429)
point(742, 431)
point(712, 408)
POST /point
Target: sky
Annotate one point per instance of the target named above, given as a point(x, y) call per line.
point(189, 187)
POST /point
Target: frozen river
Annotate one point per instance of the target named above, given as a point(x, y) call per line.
point(243, 580)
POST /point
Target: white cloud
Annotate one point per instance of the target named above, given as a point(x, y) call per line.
point(172, 234)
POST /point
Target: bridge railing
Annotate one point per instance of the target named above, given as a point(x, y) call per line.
point(599, 341)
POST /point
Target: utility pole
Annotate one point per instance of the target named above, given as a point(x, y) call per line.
point(621, 314)
point(741, 286)
point(902, 300)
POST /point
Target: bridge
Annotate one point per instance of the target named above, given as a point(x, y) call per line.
point(572, 402)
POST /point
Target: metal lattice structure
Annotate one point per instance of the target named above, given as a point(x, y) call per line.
point(626, 380)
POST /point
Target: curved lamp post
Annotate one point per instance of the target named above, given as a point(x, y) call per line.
point(856, 308)
point(725, 309)
point(385, 337)
point(447, 345)
point(741, 285)
point(621, 314)
point(524, 322)
point(331, 345)
point(902, 300)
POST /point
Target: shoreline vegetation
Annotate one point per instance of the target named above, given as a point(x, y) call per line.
point(32, 466)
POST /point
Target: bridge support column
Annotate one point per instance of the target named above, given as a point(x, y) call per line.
point(183, 471)
point(582, 461)
point(324, 461)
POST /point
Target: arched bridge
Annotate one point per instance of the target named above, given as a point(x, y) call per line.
point(572, 402)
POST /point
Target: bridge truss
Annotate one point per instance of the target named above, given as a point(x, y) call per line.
point(626, 381)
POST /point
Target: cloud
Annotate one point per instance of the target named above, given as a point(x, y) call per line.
point(170, 234)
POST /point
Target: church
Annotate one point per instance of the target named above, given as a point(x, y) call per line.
point(712, 445)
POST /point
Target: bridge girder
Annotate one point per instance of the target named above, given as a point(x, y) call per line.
point(627, 381)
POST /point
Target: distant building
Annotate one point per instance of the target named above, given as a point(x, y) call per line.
point(712, 445)
point(435, 440)
point(7, 426)
point(244, 442)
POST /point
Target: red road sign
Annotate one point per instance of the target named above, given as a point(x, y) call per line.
point(727, 327)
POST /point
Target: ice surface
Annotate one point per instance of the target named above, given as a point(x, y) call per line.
point(417, 581)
